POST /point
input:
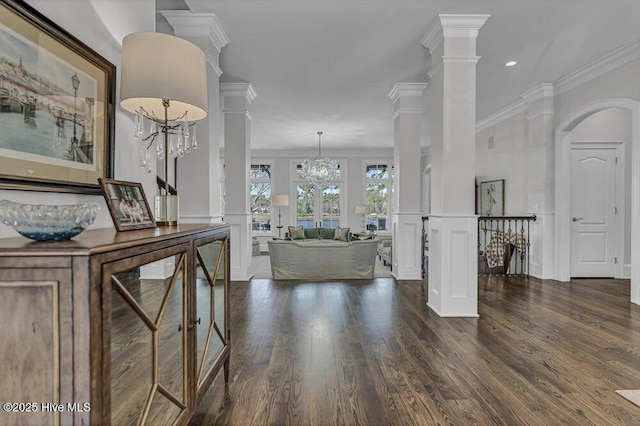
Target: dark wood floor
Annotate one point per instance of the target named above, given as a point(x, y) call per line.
point(372, 353)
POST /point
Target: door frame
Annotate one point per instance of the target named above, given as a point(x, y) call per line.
point(562, 185)
point(619, 197)
point(295, 181)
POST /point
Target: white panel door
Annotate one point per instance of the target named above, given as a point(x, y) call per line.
point(593, 212)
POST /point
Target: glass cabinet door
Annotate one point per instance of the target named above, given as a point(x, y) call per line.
point(148, 339)
point(211, 317)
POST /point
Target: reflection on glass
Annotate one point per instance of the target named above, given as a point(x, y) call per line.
point(210, 304)
point(147, 322)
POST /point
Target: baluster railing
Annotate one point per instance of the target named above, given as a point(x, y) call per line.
point(504, 244)
point(425, 245)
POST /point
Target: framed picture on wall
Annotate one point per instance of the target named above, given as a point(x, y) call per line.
point(56, 106)
point(127, 204)
point(492, 198)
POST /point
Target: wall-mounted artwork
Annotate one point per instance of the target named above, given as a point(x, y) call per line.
point(56, 106)
point(492, 198)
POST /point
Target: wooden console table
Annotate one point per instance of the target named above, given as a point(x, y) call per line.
point(113, 327)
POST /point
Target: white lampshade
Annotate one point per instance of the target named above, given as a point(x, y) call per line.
point(279, 200)
point(158, 66)
point(362, 210)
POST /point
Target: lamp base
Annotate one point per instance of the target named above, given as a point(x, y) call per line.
point(166, 210)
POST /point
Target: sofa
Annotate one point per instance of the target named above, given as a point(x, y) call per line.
point(322, 259)
point(319, 233)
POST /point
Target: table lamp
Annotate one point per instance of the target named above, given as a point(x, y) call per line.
point(163, 80)
point(364, 211)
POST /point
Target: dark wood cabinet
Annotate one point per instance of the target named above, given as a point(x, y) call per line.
point(113, 328)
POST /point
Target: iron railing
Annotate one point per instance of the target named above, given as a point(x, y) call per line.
point(504, 244)
point(425, 246)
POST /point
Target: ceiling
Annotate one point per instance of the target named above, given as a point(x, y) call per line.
point(329, 64)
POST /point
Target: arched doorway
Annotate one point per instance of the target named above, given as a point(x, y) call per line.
point(563, 188)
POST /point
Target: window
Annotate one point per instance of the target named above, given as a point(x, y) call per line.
point(260, 197)
point(379, 190)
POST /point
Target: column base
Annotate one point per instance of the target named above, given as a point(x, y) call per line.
point(453, 265)
point(240, 245)
point(406, 256)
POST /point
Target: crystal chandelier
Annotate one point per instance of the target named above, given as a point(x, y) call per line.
point(320, 171)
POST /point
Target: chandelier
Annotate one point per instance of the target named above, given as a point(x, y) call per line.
point(320, 171)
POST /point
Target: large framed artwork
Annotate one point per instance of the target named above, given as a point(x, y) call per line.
point(492, 198)
point(56, 106)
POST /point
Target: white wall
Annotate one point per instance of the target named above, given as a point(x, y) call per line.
point(506, 160)
point(510, 159)
point(101, 24)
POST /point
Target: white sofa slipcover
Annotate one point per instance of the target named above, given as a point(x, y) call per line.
point(322, 259)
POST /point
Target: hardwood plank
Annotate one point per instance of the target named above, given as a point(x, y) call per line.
point(371, 352)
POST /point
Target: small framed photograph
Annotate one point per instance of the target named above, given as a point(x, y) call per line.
point(492, 198)
point(127, 204)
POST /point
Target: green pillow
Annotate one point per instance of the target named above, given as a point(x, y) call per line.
point(341, 234)
point(296, 232)
point(327, 233)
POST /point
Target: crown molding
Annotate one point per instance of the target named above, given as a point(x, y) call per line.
point(465, 26)
point(434, 69)
point(213, 62)
point(627, 53)
point(544, 90)
point(505, 113)
point(188, 24)
point(433, 37)
point(238, 90)
point(406, 89)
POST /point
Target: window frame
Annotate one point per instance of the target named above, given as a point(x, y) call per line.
point(389, 181)
point(262, 232)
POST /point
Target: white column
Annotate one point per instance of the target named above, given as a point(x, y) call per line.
point(406, 219)
point(200, 171)
point(453, 251)
point(539, 163)
point(236, 99)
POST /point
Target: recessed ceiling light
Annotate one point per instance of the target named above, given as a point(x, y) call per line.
point(510, 64)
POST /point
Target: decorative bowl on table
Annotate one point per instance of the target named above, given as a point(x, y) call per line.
point(48, 223)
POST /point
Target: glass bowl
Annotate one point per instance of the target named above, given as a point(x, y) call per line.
point(48, 223)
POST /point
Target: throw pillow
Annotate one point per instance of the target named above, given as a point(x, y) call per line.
point(296, 232)
point(341, 234)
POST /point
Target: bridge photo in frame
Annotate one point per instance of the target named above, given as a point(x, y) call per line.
point(56, 106)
